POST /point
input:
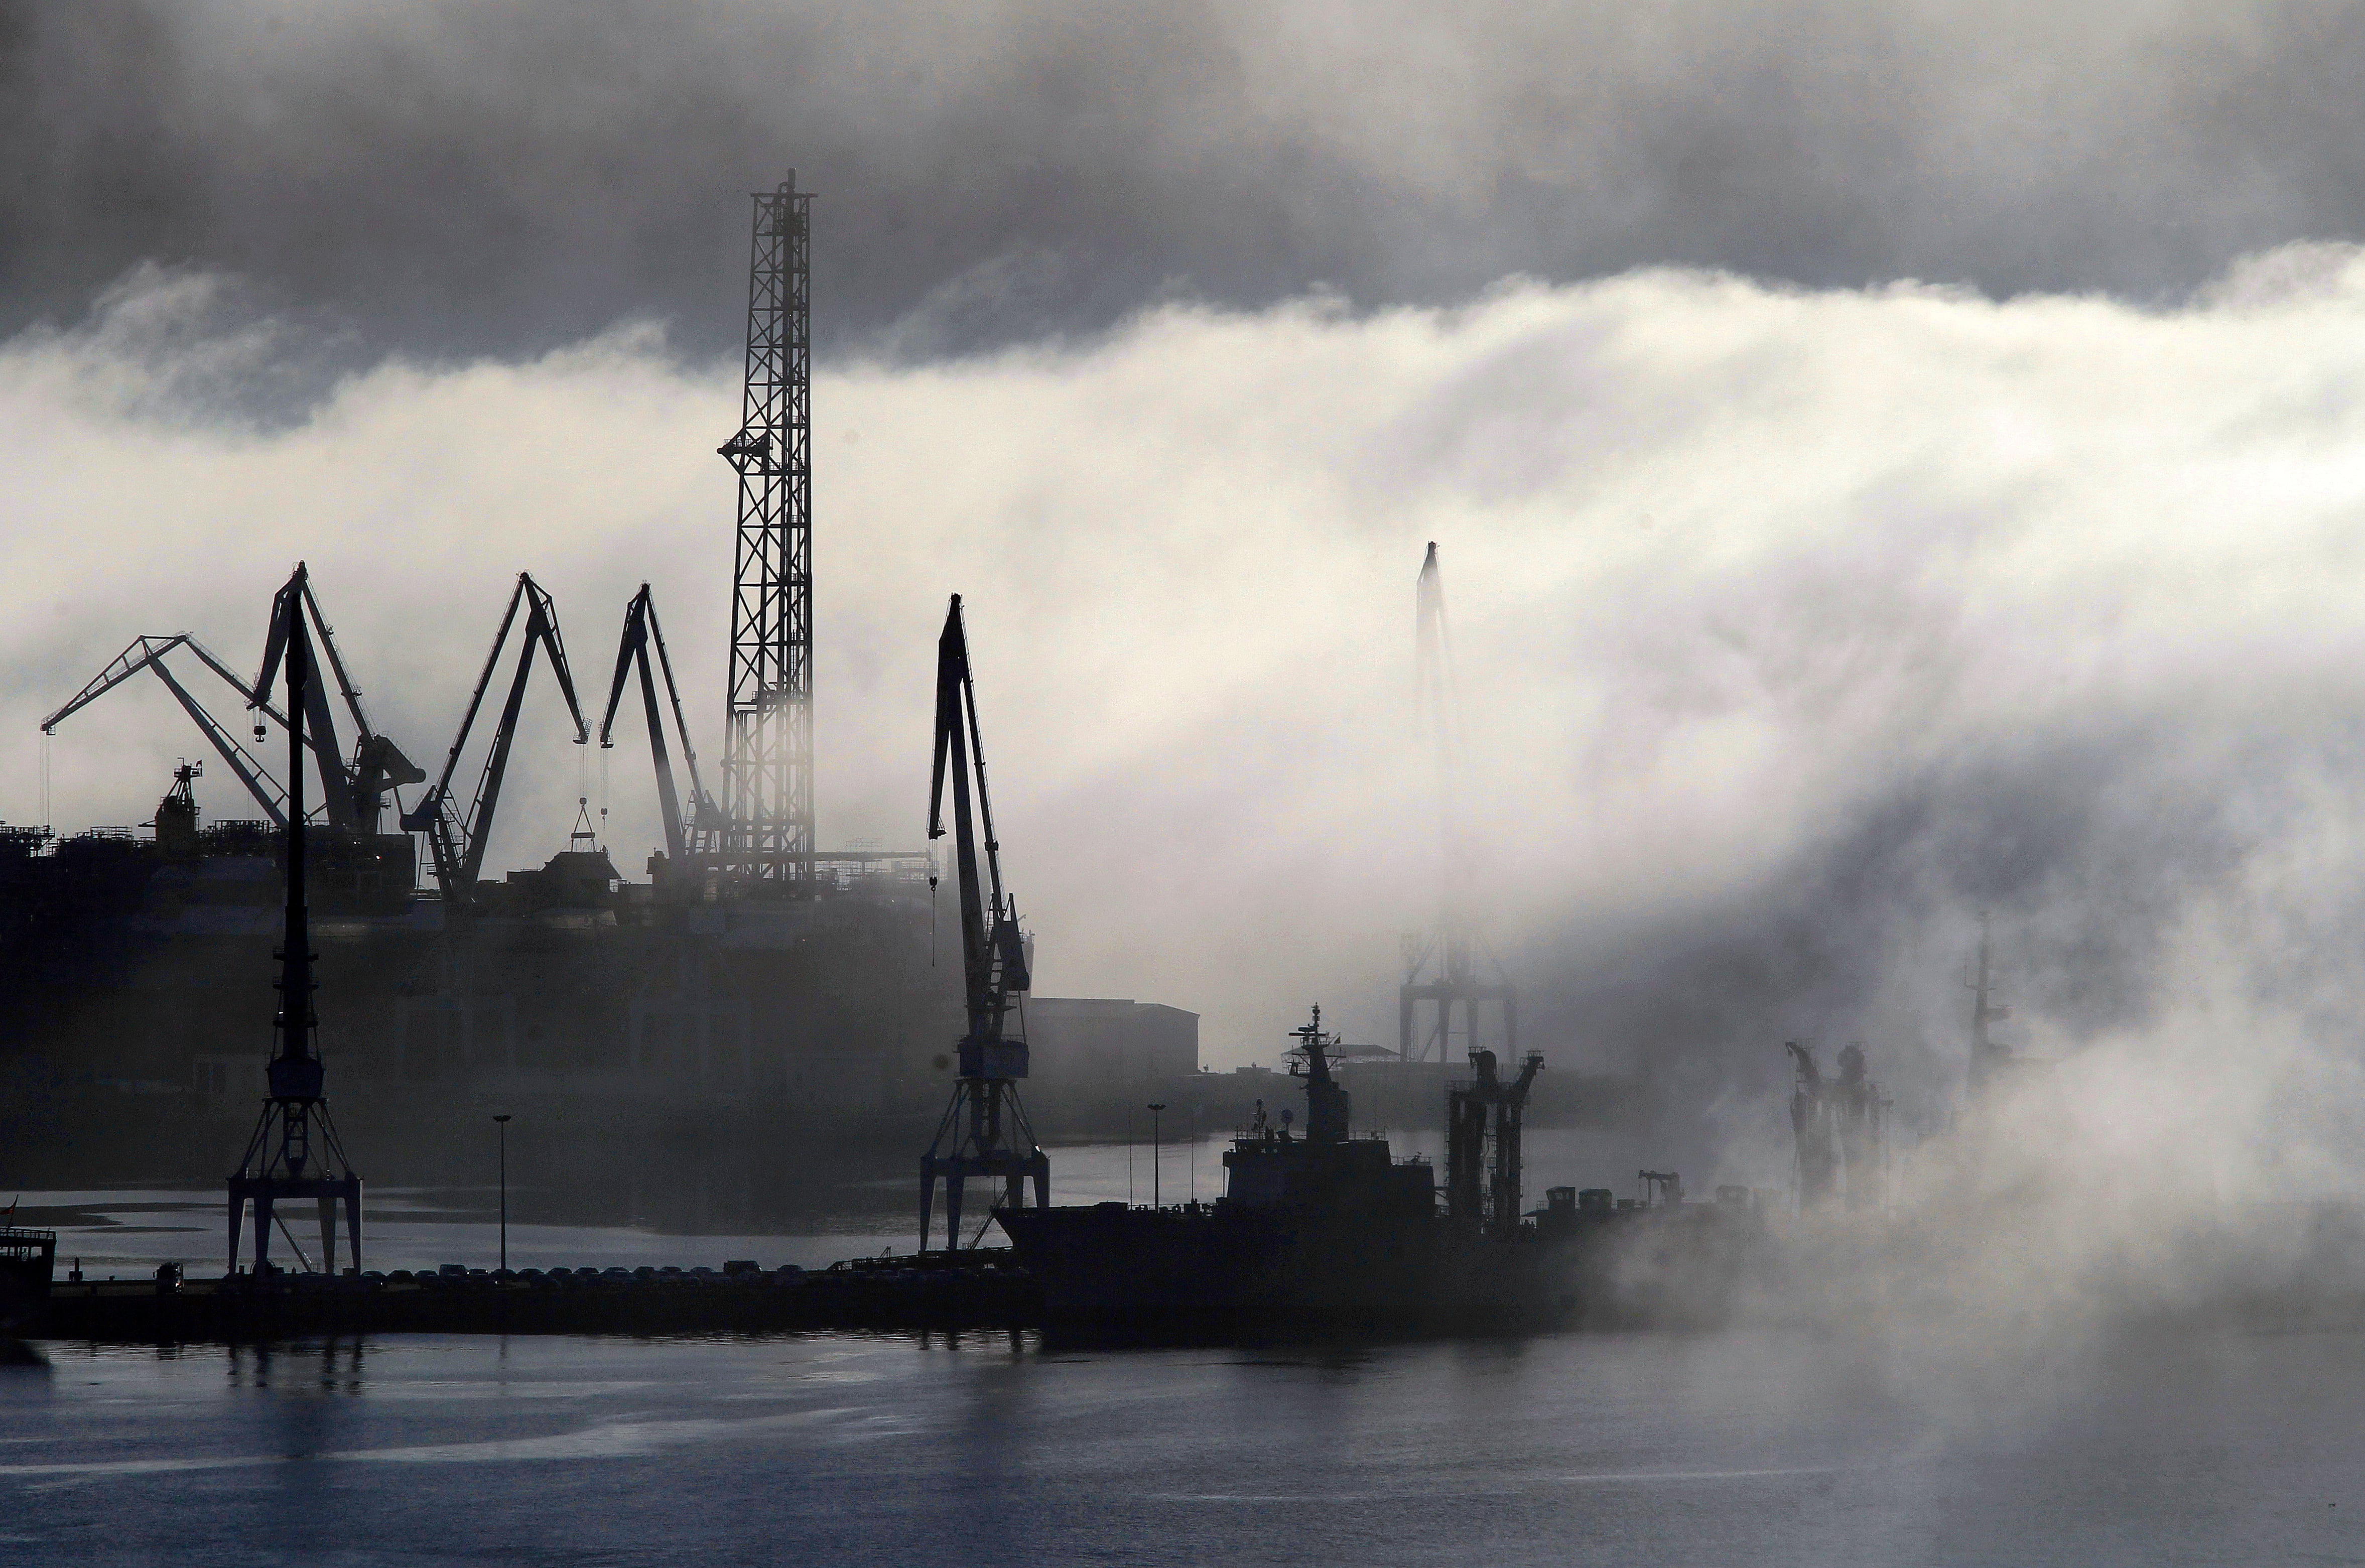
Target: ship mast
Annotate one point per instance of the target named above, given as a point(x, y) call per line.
point(1327, 1102)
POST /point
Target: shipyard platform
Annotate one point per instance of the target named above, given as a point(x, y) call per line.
point(976, 1289)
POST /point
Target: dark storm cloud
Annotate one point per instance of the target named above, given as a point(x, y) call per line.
point(478, 178)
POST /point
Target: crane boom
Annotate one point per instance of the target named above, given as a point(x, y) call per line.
point(641, 629)
point(141, 654)
point(355, 792)
point(259, 784)
point(286, 626)
point(147, 654)
point(992, 953)
point(457, 841)
point(984, 1132)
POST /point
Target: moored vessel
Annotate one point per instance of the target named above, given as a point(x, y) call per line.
point(1321, 1231)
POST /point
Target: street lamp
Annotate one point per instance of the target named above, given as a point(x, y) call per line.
point(1154, 1109)
point(503, 1123)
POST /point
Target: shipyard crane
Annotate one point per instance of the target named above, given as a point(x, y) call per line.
point(641, 629)
point(456, 840)
point(294, 1153)
point(1811, 1125)
point(1483, 1121)
point(1441, 969)
point(1989, 1056)
point(147, 654)
point(985, 1132)
point(354, 791)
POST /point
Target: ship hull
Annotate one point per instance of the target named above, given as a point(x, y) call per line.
point(1225, 1268)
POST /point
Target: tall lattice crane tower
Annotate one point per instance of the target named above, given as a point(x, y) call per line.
point(768, 750)
point(1446, 994)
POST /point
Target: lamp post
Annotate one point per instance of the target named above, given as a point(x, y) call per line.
point(503, 1124)
point(1154, 1150)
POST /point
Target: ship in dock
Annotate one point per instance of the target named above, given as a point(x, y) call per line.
point(1321, 1231)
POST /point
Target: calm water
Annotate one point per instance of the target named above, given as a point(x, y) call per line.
point(835, 1449)
point(1981, 1446)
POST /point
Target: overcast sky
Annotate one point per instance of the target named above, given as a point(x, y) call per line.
point(1803, 609)
point(464, 178)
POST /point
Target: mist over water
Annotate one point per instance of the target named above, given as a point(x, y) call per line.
point(1891, 465)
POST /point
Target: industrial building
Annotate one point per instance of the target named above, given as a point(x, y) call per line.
point(1100, 1059)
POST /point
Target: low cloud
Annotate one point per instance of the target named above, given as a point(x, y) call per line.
point(1794, 628)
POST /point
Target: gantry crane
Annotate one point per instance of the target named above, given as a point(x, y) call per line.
point(685, 843)
point(984, 1132)
point(456, 841)
point(1441, 969)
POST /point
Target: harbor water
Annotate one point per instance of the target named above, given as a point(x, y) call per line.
point(989, 1450)
point(1886, 1443)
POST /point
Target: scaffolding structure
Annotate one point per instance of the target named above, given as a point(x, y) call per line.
point(768, 750)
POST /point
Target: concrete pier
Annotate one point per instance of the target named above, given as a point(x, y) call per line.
point(976, 1289)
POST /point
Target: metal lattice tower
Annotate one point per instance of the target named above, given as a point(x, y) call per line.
point(768, 754)
point(1443, 979)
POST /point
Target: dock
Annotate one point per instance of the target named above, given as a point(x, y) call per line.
point(979, 1289)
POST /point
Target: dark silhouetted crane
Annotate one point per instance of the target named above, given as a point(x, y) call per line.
point(1484, 1160)
point(282, 1158)
point(984, 1132)
point(147, 654)
point(768, 751)
point(685, 843)
point(353, 792)
point(457, 840)
point(1811, 1125)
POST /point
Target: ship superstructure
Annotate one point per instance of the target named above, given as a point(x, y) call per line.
point(1318, 1231)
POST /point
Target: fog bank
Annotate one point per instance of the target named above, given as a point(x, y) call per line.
point(1794, 628)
